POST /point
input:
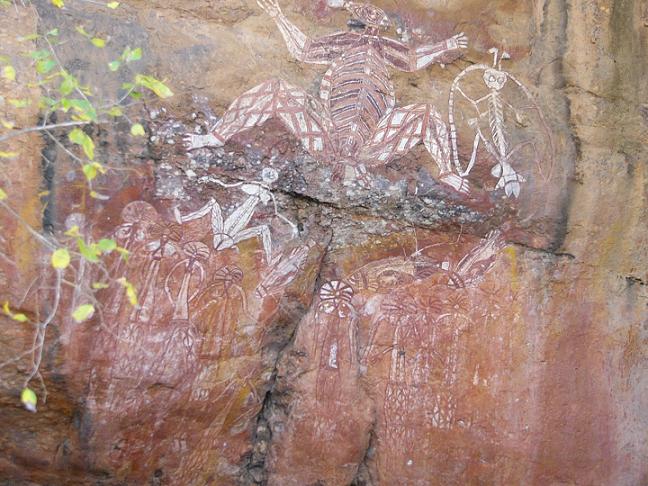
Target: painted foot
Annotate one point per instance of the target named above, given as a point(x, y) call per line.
point(192, 141)
point(509, 180)
point(457, 182)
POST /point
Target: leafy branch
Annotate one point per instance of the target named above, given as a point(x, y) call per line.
point(75, 107)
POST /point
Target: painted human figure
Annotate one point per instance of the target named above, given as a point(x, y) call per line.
point(356, 122)
point(189, 267)
point(335, 340)
point(166, 237)
point(137, 219)
point(492, 124)
point(228, 232)
point(219, 307)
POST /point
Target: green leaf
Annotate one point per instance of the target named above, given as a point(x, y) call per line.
point(82, 107)
point(20, 103)
point(106, 245)
point(135, 55)
point(58, 3)
point(9, 73)
point(131, 55)
point(73, 231)
point(100, 286)
point(97, 42)
point(38, 55)
point(112, 5)
point(83, 313)
point(137, 130)
point(101, 197)
point(16, 317)
point(158, 87)
point(115, 111)
point(53, 32)
point(68, 85)
point(123, 253)
point(46, 102)
point(27, 397)
point(114, 65)
point(61, 259)
point(3, 195)
point(79, 137)
point(89, 252)
point(45, 66)
point(8, 155)
point(27, 38)
point(90, 171)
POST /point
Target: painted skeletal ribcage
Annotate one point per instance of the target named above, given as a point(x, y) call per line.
point(359, 93)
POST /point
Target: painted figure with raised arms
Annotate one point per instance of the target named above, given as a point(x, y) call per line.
point(356, 121)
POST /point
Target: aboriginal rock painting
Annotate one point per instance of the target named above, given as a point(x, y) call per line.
point(505, 120)
point(425, 339)
point(356, 123)
point(184, 361)
point(422, 338)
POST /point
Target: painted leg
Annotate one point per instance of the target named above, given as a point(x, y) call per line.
point(404, 128)
point(211, 207)
point(299, 112)
point(508, 179)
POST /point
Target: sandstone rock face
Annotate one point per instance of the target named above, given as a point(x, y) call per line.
point(441, 282)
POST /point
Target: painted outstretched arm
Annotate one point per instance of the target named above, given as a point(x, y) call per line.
point(427, 54)
point(406, 58)
point(299, 44)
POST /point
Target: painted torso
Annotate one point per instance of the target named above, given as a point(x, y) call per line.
point(358, 93)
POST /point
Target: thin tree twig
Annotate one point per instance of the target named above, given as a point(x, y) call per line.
point(64, 148)
point(46, 127)
point(62, 68)
point(34, 233)
point(42, 328)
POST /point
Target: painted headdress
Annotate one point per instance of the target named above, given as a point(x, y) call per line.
point(368, 14)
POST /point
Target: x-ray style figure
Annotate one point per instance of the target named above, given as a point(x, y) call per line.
point(230, 231)
point(356, 122)
point(495, 109)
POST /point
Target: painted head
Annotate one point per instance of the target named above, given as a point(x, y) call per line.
point(370, 16)
point(495, 79)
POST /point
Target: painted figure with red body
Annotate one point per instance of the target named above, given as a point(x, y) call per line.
point(355, 122)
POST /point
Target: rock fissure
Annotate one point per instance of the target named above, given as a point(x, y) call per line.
point(254, 471)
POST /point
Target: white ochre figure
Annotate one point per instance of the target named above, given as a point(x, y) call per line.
point(494, 109)
point(355, 122)
point(228, 232)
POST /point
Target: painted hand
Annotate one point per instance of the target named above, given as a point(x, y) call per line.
point(459, 41)
point(457, 182)
point(271, 7)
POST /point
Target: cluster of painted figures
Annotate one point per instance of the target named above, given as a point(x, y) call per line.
point(189, 272)
point(175, 267)
point(357, 124)
point(418, 303)
point(202, 306)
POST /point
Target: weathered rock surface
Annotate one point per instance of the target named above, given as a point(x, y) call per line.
point(378, 332)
